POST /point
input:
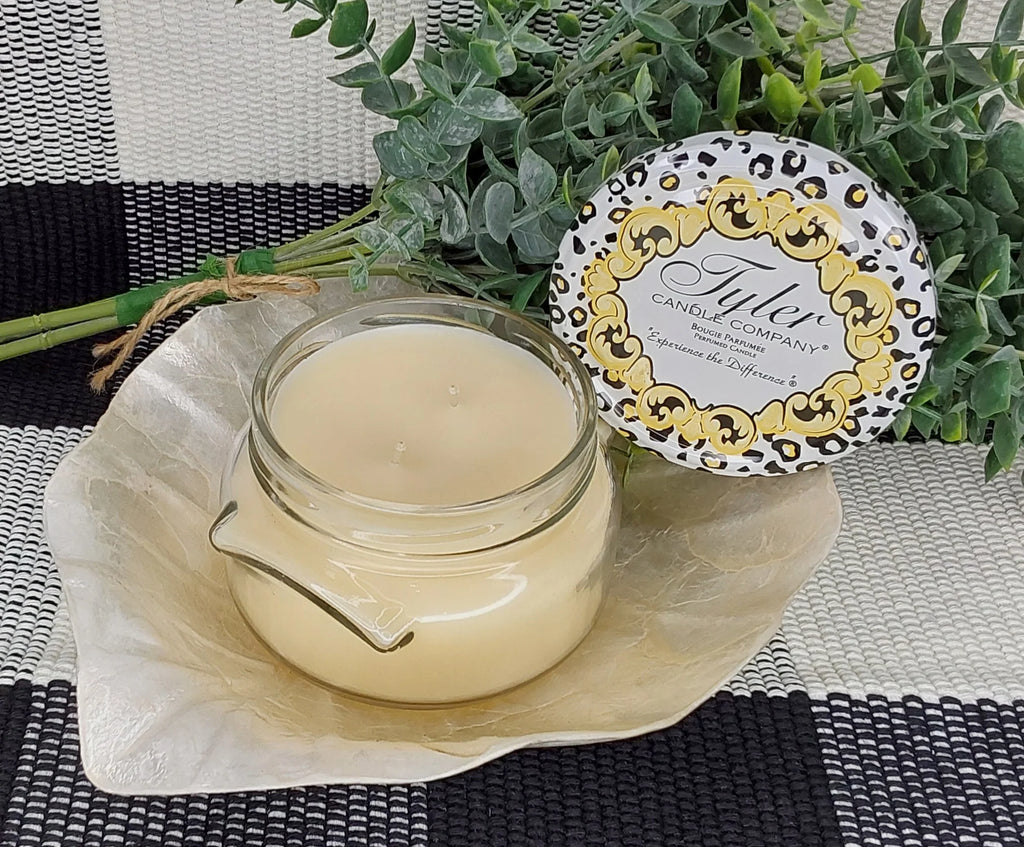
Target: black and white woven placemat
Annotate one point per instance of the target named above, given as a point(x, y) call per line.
point(134, 138)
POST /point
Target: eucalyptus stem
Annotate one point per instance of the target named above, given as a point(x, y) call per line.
point(923, 49)
point(290, 266)
point(53, 337)
point(370, 208)
point(33, 324)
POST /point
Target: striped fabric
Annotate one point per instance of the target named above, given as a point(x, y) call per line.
point(889, 709)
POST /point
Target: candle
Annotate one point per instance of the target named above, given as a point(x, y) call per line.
point(373, 414)
point(425, 511)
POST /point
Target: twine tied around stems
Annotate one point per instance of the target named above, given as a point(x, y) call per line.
point(231, 285)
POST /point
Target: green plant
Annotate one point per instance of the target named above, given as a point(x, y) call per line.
point(504, 136)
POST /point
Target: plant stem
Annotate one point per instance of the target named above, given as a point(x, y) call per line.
point(284, 250)
point(981, 348)
point(53, 337)
point(33, 324)
point(290, 266)
point(931, 48)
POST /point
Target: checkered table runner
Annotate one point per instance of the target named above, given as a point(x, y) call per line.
point(134, 138)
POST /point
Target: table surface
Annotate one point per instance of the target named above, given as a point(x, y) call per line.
point(888, 710)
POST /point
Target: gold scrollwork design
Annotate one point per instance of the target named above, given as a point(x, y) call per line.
point(808, 233)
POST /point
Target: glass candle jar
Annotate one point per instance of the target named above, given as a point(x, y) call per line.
point(415, 599)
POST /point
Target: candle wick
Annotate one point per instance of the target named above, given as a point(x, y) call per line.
point(396, 457)
point(453, 394)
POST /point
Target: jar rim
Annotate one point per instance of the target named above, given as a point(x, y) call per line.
point(582, 393)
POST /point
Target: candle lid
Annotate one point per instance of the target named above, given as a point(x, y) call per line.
point(746, 303)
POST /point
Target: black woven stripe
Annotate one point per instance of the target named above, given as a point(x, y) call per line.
point(911, 772)
point(741, 771)
point(48, 801)
point(62, 245)
point(69, 244)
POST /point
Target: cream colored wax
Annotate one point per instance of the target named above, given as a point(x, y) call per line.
point(433, 416)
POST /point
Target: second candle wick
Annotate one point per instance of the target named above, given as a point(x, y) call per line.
point(396, 457)
point(453, 395)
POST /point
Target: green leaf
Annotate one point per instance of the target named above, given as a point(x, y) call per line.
point(729, 91)
point(990, 267)
point(348, 54)
point(451, 126)
point(731, 43)
point(914, 107)
point(610, 163)
point(359, 277)
point(1005, 440)
point(499, 207)
point(954, 161)
point(887, 163)
point(933, 214)
point(953, 427)
point(359, 76)
point(861, 116)
point(398, 53)
point(957, 345)
point(307, 26)
point(764, 28)
point(992, 466)
point(1005, 150)
point(527, 286)
point(682, 62)
point(812, 70)
point(1010, 23)
point(568, 24)
point(529, 43)
point(395, 158)
point(687, 108)
point(454, 224)
point(966, 65)
point(814, 10)
point(924, 420)
point(953, 20)
point(617, 108)
point(901, 424)
point(498, 169)
point(908, 59)
point(990, 389)
point(992, 189)
point(485, 55)
point(643, 85)
point(575, 108)
point(533, 243)
point(824, 131)
point(489, 105)
point(782, 98)
point(537, 179)
point(991, 112)
point(657, 28)
point(379, 97)
point(867, 77)
point(494, 254)
point(456, 37)
point(419, 141)
point(325, 7)
point(435, 80)
point(399, 236)
point(412, 196)
point(947, 268)
point(595, 122)
point(910, 24)
point(348, 24)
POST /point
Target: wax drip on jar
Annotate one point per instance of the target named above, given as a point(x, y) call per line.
point(453, 395)
point(396, 457)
